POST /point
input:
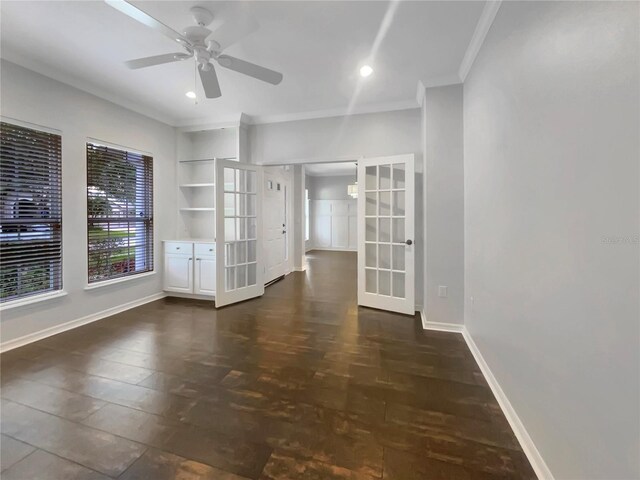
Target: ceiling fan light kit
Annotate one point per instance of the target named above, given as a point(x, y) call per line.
point(203, 44)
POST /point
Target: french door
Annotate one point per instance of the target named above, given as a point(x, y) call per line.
point(239, 266)
point(386, 248)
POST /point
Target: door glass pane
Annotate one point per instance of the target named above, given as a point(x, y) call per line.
point(230, 278)
point(229, 180)
point(240, 181)
point(241, 252)
point(251, 181)
point(398, 175)
point(385, 177)
point(251, 228)
point(384, 282)
point(229, 229)
point(370, 255)
point(385, 204)
point(229, 254)
point(398, 257)
point(251, 251)
point(242, 205)
point(371, 179)
point(398, 204)
point(398, 285)
point(370, 204)
point(229, 204)
point(242, 228)
point(251, 204)
point(384, 258)
point(241, 276)
point(398, 230)
point(370, 280)
point(251, 274)
point(370, 229)
point(385, 230)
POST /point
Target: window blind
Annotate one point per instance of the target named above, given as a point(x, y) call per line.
point(30, 212)
point(119, 213)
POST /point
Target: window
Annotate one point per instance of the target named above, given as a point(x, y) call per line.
point(30, 212)
point(119, 213)
point(306, 214)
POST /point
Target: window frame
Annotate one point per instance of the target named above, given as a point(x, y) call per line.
point(54, 220)
point(150, 233)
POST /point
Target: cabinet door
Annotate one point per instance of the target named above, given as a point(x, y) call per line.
point(205, 278)
point(178, 273)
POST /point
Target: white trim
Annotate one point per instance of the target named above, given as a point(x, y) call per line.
point(482, 28)
point(191, 296)
point(300, 269)
point(63, 327)
point(115, 281)
point(440, 326)
point(22, 302)
point(420, 88)
point(526, 442)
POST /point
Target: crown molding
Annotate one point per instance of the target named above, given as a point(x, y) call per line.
point(87, 88)
point(482, 28)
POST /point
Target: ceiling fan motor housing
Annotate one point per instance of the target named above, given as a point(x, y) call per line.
point(202, 16)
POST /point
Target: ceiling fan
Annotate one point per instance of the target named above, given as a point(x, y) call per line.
point(203, 44)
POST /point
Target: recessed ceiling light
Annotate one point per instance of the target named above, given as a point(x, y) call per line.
point(191, 94)
point(365, 71)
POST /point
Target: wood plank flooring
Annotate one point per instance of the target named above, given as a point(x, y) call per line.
point(299, 384)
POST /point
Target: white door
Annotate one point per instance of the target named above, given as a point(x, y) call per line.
point(178, 273)
point(239, 265)
point(276, 189)
point(205, 276)
point(386, 249)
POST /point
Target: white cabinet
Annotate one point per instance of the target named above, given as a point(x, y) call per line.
point(178, 273)
point(190, 268)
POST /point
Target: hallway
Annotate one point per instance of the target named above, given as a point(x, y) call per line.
point(298, 384)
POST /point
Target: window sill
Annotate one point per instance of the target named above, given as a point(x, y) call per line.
point(115, 281)
point(31, 300)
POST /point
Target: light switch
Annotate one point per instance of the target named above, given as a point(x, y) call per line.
point(442, 291)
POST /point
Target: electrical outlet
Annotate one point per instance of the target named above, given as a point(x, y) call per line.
point(442, 291)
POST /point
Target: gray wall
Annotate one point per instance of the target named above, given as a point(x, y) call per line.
point(329, 187)
point(444, 187)
point(370, 135)
point(31, 97)
point(551, 122)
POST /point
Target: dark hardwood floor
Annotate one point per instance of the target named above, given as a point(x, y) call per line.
point(299, 384)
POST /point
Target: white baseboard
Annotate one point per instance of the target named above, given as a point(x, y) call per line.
point(63, 327)
point(533, 455)
point(537, 462)
point(300, 269)
point(440, 326)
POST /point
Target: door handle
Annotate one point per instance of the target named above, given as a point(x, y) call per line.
point(409, 242)
point(284, 231)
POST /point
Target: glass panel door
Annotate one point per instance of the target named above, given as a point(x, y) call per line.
point(238, 234)
point(386, 250)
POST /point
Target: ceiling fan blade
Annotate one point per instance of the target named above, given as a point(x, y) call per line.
point(156, 60)
point(251, 69)
point(234, 30)
point(146, 19)
point(209, 82)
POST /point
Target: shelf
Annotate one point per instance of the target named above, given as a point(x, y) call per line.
point(197, 185)
point(198, 209)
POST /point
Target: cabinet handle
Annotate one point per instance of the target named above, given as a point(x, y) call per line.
point(177, 248)
point(198, 259)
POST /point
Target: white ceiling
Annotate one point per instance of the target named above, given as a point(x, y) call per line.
point(317, 45)
point(330, 169)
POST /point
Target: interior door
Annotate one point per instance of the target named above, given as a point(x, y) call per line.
point(275, 224)
point(239, 265)
point(386, 249)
